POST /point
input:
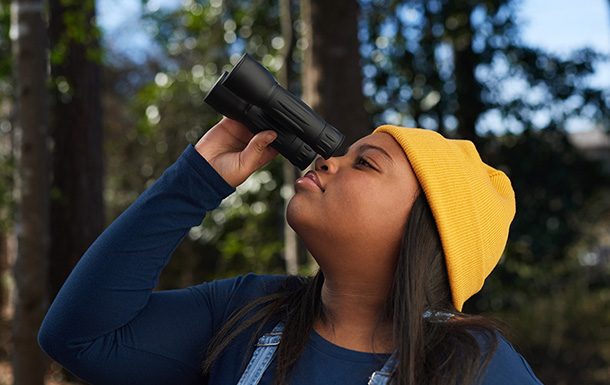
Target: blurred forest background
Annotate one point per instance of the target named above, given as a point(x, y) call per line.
point(86, 128)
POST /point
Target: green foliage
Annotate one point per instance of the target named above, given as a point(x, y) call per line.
point(564, 333)
point(7, 205)
point(5, 41)
point(78, 31)
point(250, 222)
point(197, 42)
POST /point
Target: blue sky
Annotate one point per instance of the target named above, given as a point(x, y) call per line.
point(562, 25)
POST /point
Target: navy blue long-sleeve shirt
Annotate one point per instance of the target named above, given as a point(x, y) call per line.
point(108, 326)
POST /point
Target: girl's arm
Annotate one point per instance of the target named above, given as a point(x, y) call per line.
point(106, 325)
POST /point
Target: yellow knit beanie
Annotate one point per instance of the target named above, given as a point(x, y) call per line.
point(472, 203)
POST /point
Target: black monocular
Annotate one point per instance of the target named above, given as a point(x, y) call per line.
point(251, 95)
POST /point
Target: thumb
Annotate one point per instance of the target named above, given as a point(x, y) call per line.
point(252, 155)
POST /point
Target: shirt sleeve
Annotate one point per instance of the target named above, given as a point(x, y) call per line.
point(509, 367)
point(106, 325)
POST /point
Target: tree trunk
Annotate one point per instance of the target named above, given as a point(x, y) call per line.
point(77, 207)
point(468, 89)
point(5, 295)
point(332, 75)
point(292, 251)
point(7, 216)
point(32, 186)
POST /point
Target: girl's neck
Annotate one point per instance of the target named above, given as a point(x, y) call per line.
point(352, 315)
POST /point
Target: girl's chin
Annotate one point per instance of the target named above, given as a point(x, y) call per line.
point(299, 216)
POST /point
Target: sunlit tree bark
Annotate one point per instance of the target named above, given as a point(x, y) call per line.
point(292, 247)
point(32, 178)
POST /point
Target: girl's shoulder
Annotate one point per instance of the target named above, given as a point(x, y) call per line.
point(506, 366)
point(225, 295)
point(250, 285)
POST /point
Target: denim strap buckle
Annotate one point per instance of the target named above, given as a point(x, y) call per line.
point(379, 377)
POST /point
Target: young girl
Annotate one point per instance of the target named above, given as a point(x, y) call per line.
point(405, 227)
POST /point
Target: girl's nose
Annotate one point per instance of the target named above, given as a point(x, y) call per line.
point(330, 164)
point(321, 164)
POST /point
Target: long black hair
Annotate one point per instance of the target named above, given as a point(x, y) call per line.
point(430, 351)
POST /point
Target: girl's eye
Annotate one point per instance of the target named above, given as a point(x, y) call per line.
point(362, 160)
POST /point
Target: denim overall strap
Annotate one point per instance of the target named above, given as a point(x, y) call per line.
point(382, 376)
point(262, 356)
point(267, 344)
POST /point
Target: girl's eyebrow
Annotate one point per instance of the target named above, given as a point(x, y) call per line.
point(365, 146)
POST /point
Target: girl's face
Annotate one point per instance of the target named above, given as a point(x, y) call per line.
point(356, 221)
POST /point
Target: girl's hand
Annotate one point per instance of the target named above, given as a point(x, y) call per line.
point(234, 151)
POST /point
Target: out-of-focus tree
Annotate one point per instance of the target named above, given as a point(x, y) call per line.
point(76, 128)
point(293, 250)
point(7, 169)
point(77, 206)
point(32, 155)
point(332, 76)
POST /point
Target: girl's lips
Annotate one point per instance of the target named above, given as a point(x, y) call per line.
point(314, 176)
point(307, 180)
